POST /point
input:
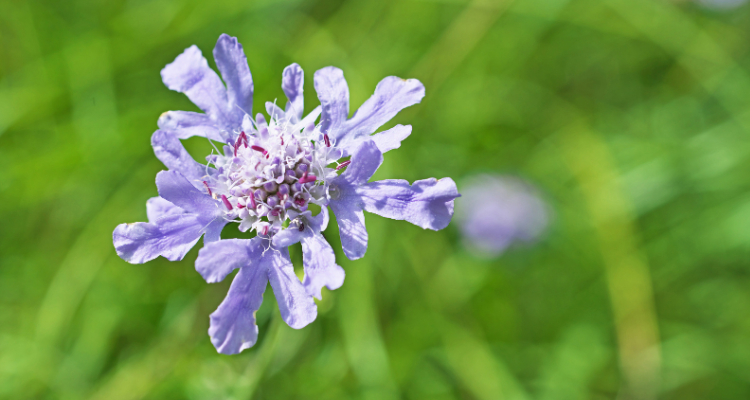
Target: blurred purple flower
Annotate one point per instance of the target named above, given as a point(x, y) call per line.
point(496, 211)
point(265, 177)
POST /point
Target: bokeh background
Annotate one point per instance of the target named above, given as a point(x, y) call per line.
point(631, 117)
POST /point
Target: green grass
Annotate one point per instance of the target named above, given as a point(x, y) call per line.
point(631, 116)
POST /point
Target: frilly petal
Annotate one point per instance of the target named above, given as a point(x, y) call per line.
point(171, 236)
point(288, 237)
point(190, 74)
point(174, 188)
point(170, 151)
point(365, 160)
point(233, 326)
point(186, 124)
point(213, 230)
point(297, 307)
point(156, 207)
point(232, 63)
point(320, 266)
point(218, 259)
point(427, 203)
point(351, 220)
point(292, 83)
point(392, 95)
point(333, 94)
point(392, 138)
point(319, 223)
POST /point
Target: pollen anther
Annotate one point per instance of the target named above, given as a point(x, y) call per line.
point(226, 202)
point(260, 149)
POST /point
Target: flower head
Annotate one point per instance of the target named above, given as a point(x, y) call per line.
point(265, 175)
point(497, 211)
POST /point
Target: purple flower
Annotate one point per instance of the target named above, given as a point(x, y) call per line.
point(267, 173)
point(497, 211)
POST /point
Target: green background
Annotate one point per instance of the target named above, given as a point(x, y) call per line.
point(631, 116)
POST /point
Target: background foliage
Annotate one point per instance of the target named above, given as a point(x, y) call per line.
point(632, 117)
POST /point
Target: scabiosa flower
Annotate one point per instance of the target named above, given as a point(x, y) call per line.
point(497, 211)
point(265, 174)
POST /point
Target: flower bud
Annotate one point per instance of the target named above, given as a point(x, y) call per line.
point(289, 176)
point(270, 186)
point(301, 169)
point(272, 201)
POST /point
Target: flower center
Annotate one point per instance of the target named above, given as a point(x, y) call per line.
point(269, 170)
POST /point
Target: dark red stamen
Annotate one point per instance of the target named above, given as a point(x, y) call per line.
point(252, 202)
point(282, 140)
point(227, 204)
point(242, 139)
point(240, 206)
point(328, 142)
point(260, 149)
point(208, 188)
point(307, 178)
point(299, 201)
point(343, 164)
point(301, 227)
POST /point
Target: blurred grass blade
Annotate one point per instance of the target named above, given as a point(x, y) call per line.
point(627, 274)
point(478, 369)
point(361, 332)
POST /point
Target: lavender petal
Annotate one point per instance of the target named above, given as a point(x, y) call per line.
point(170, 151)
point(156, 207)
point(351, 220)
point(365, 160)
point(427, 203)
point(333, 94)
point(297, 307)
point(171, 236)
point(232, 63)
point(233, 326)
point(320, 266)
point(174, 188)
point(186, 124)
point(218, 259)
point(190, 74)
point(392, 138)
point(292, 83)
point(391, 96)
